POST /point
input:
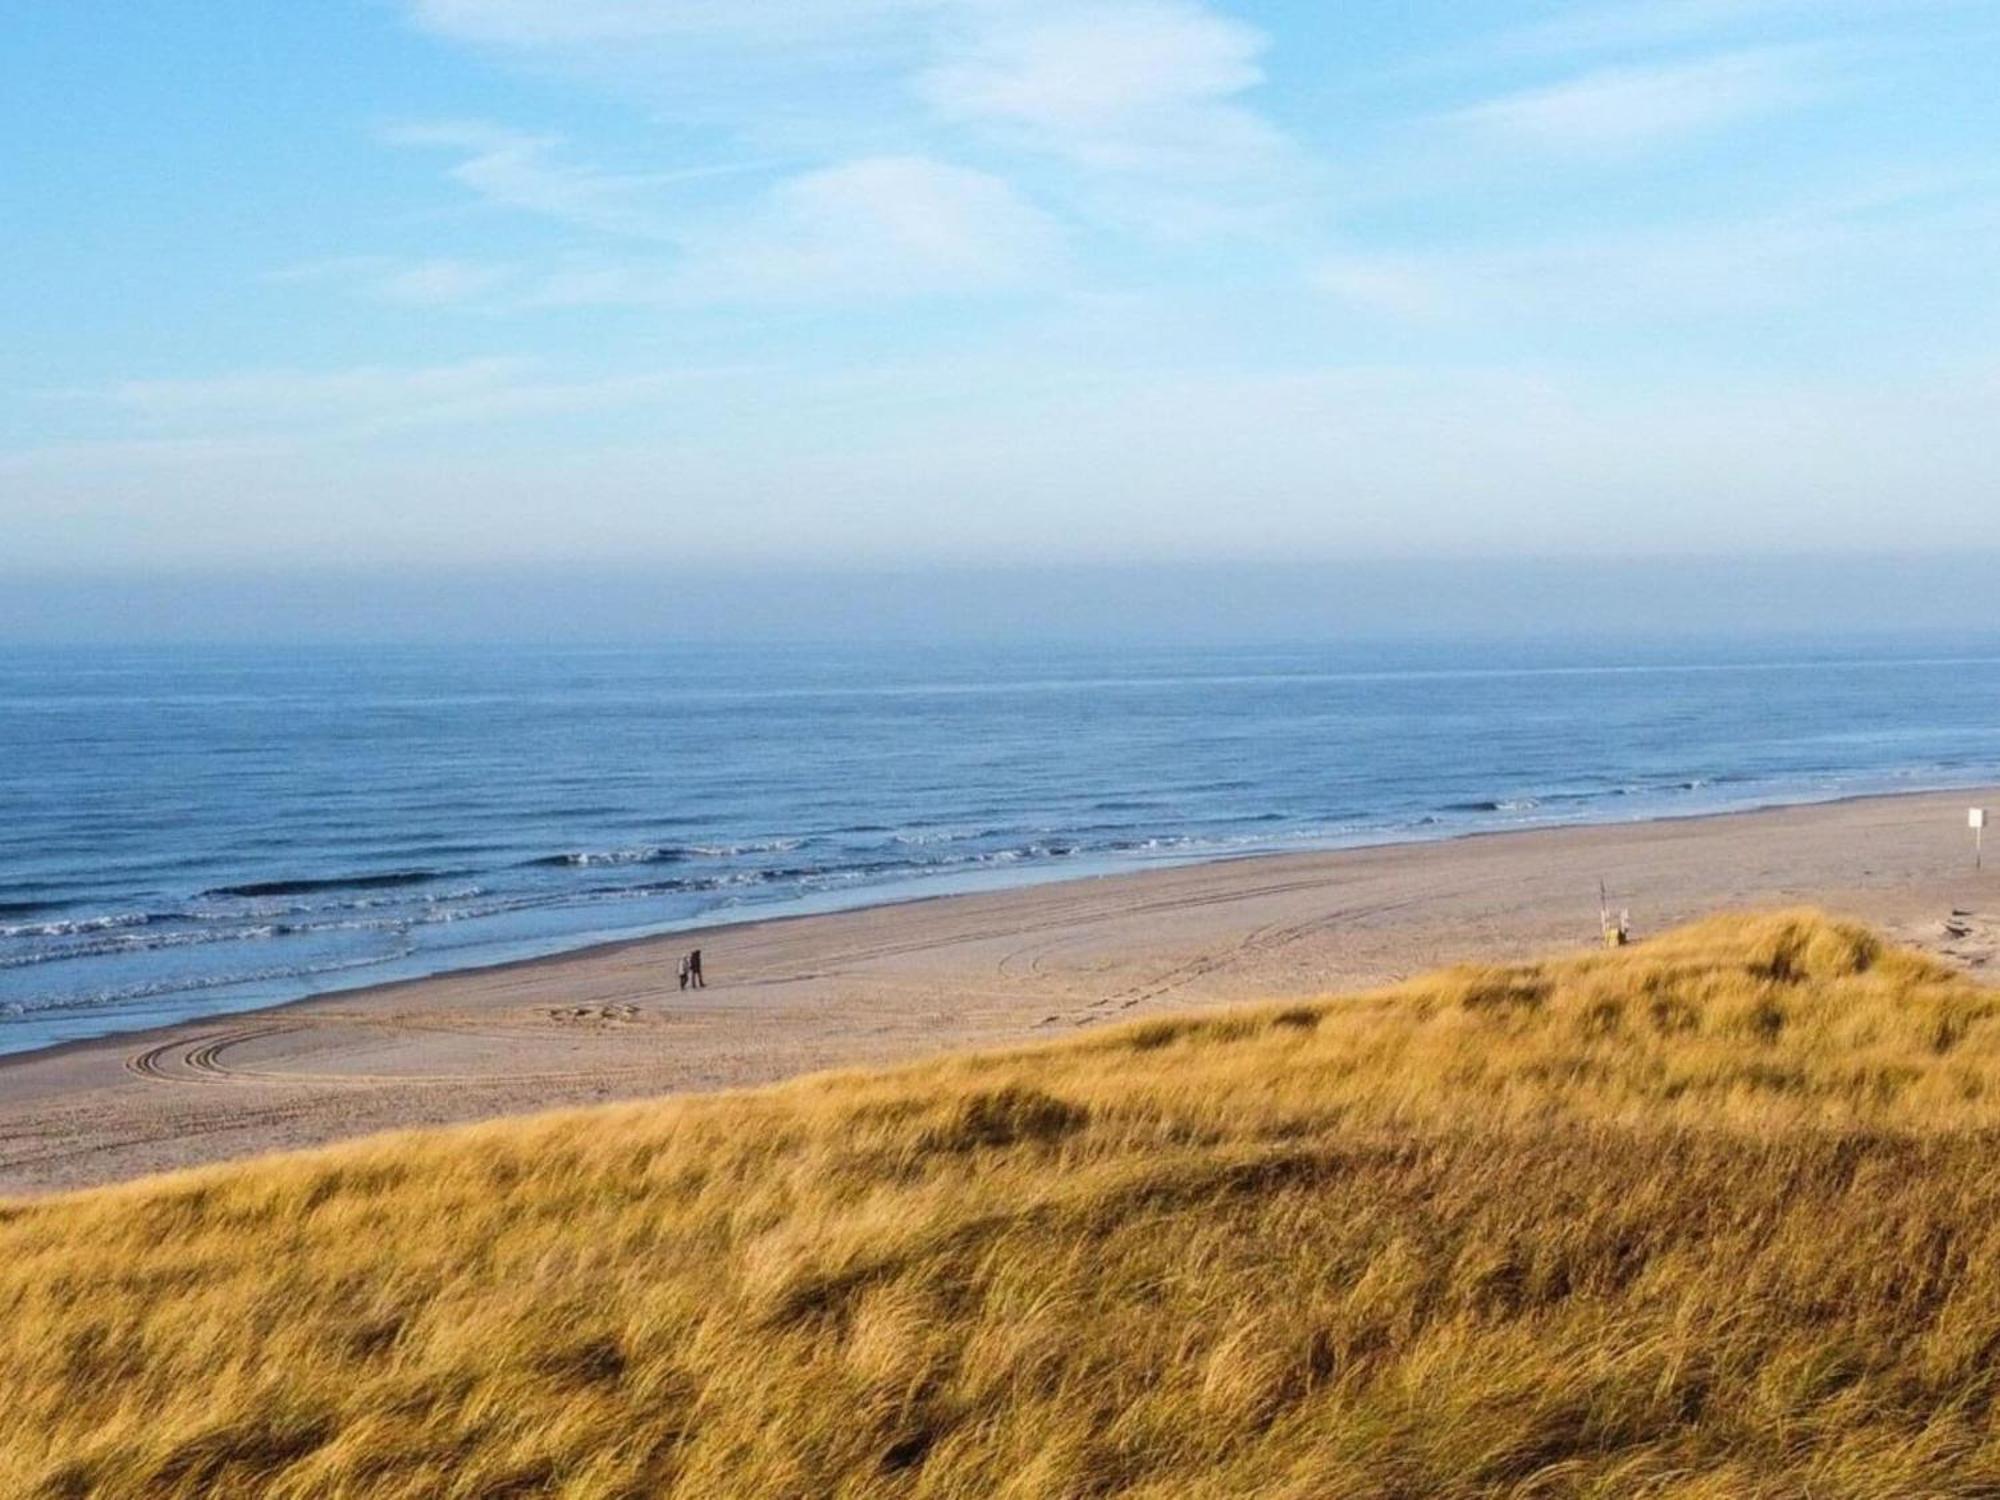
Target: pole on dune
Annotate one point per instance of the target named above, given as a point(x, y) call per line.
point(1616, 934)
point(1976, 819)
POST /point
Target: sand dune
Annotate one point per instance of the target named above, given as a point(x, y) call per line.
point(1712, 1218)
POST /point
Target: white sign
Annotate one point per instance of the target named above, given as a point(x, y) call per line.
point(1976, 818)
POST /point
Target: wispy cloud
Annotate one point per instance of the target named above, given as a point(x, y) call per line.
point(1110, 87)
point(867, 231)
point(531, 174)
point(886, 226)
point(1123, 85)
point(1622, 111)
point(880, 227)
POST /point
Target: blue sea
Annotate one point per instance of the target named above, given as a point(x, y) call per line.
point(185, 831)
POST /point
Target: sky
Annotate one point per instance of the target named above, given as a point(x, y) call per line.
point(367, 287)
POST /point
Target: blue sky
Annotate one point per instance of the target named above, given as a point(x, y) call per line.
point(410, 283)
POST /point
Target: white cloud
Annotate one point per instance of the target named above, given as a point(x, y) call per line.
point(866, 231)
point(1123, 84)
point(1616, 112)
point(1126, 84)
point(1143, 100)
point(882, 226)
point(879, 227)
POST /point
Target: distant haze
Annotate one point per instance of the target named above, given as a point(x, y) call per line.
point(1950, 601)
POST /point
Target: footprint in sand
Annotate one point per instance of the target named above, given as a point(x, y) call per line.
point(1965, 938)
point(571, 1015)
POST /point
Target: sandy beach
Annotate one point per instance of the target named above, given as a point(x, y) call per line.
point(905, 981)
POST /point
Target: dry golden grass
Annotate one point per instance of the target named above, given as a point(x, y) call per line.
point(1716, 1216)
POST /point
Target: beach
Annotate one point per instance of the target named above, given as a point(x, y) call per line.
point(996, 969)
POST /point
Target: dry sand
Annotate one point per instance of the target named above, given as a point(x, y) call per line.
point(897, 982)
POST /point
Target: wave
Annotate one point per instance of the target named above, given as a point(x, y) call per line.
point(758, 846)
point(1599, 794)
point(389, 880)
point(660, 854)
point(29, 908)
point(74, 926)
point(117, 945)
point(192, 984)
point(591, 858)
point(103, 942)
point(926, 838)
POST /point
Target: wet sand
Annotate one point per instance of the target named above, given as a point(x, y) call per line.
point(891, 983)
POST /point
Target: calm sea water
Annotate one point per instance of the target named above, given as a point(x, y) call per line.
point(185, 832)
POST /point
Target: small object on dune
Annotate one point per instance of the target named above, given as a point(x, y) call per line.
point(1616, 934)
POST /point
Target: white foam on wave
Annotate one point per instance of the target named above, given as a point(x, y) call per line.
point(592, 858)
point(151, 989)
point(120, 944)
point(75, 926)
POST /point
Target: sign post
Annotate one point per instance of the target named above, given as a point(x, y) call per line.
point(1976, 821)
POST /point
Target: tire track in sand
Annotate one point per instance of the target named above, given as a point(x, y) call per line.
point(202, 1063)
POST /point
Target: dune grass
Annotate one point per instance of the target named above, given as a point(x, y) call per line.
point(1715, 1216)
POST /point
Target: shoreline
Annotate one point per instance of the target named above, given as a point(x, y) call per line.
point(946, 888)
point(938, 971)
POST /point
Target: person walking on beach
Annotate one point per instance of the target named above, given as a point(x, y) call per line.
point(684, 971)
point(694, 970)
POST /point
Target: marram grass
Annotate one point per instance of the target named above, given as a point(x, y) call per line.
point(1715, 1216)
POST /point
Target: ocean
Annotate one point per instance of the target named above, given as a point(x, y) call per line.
point(193, 831)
